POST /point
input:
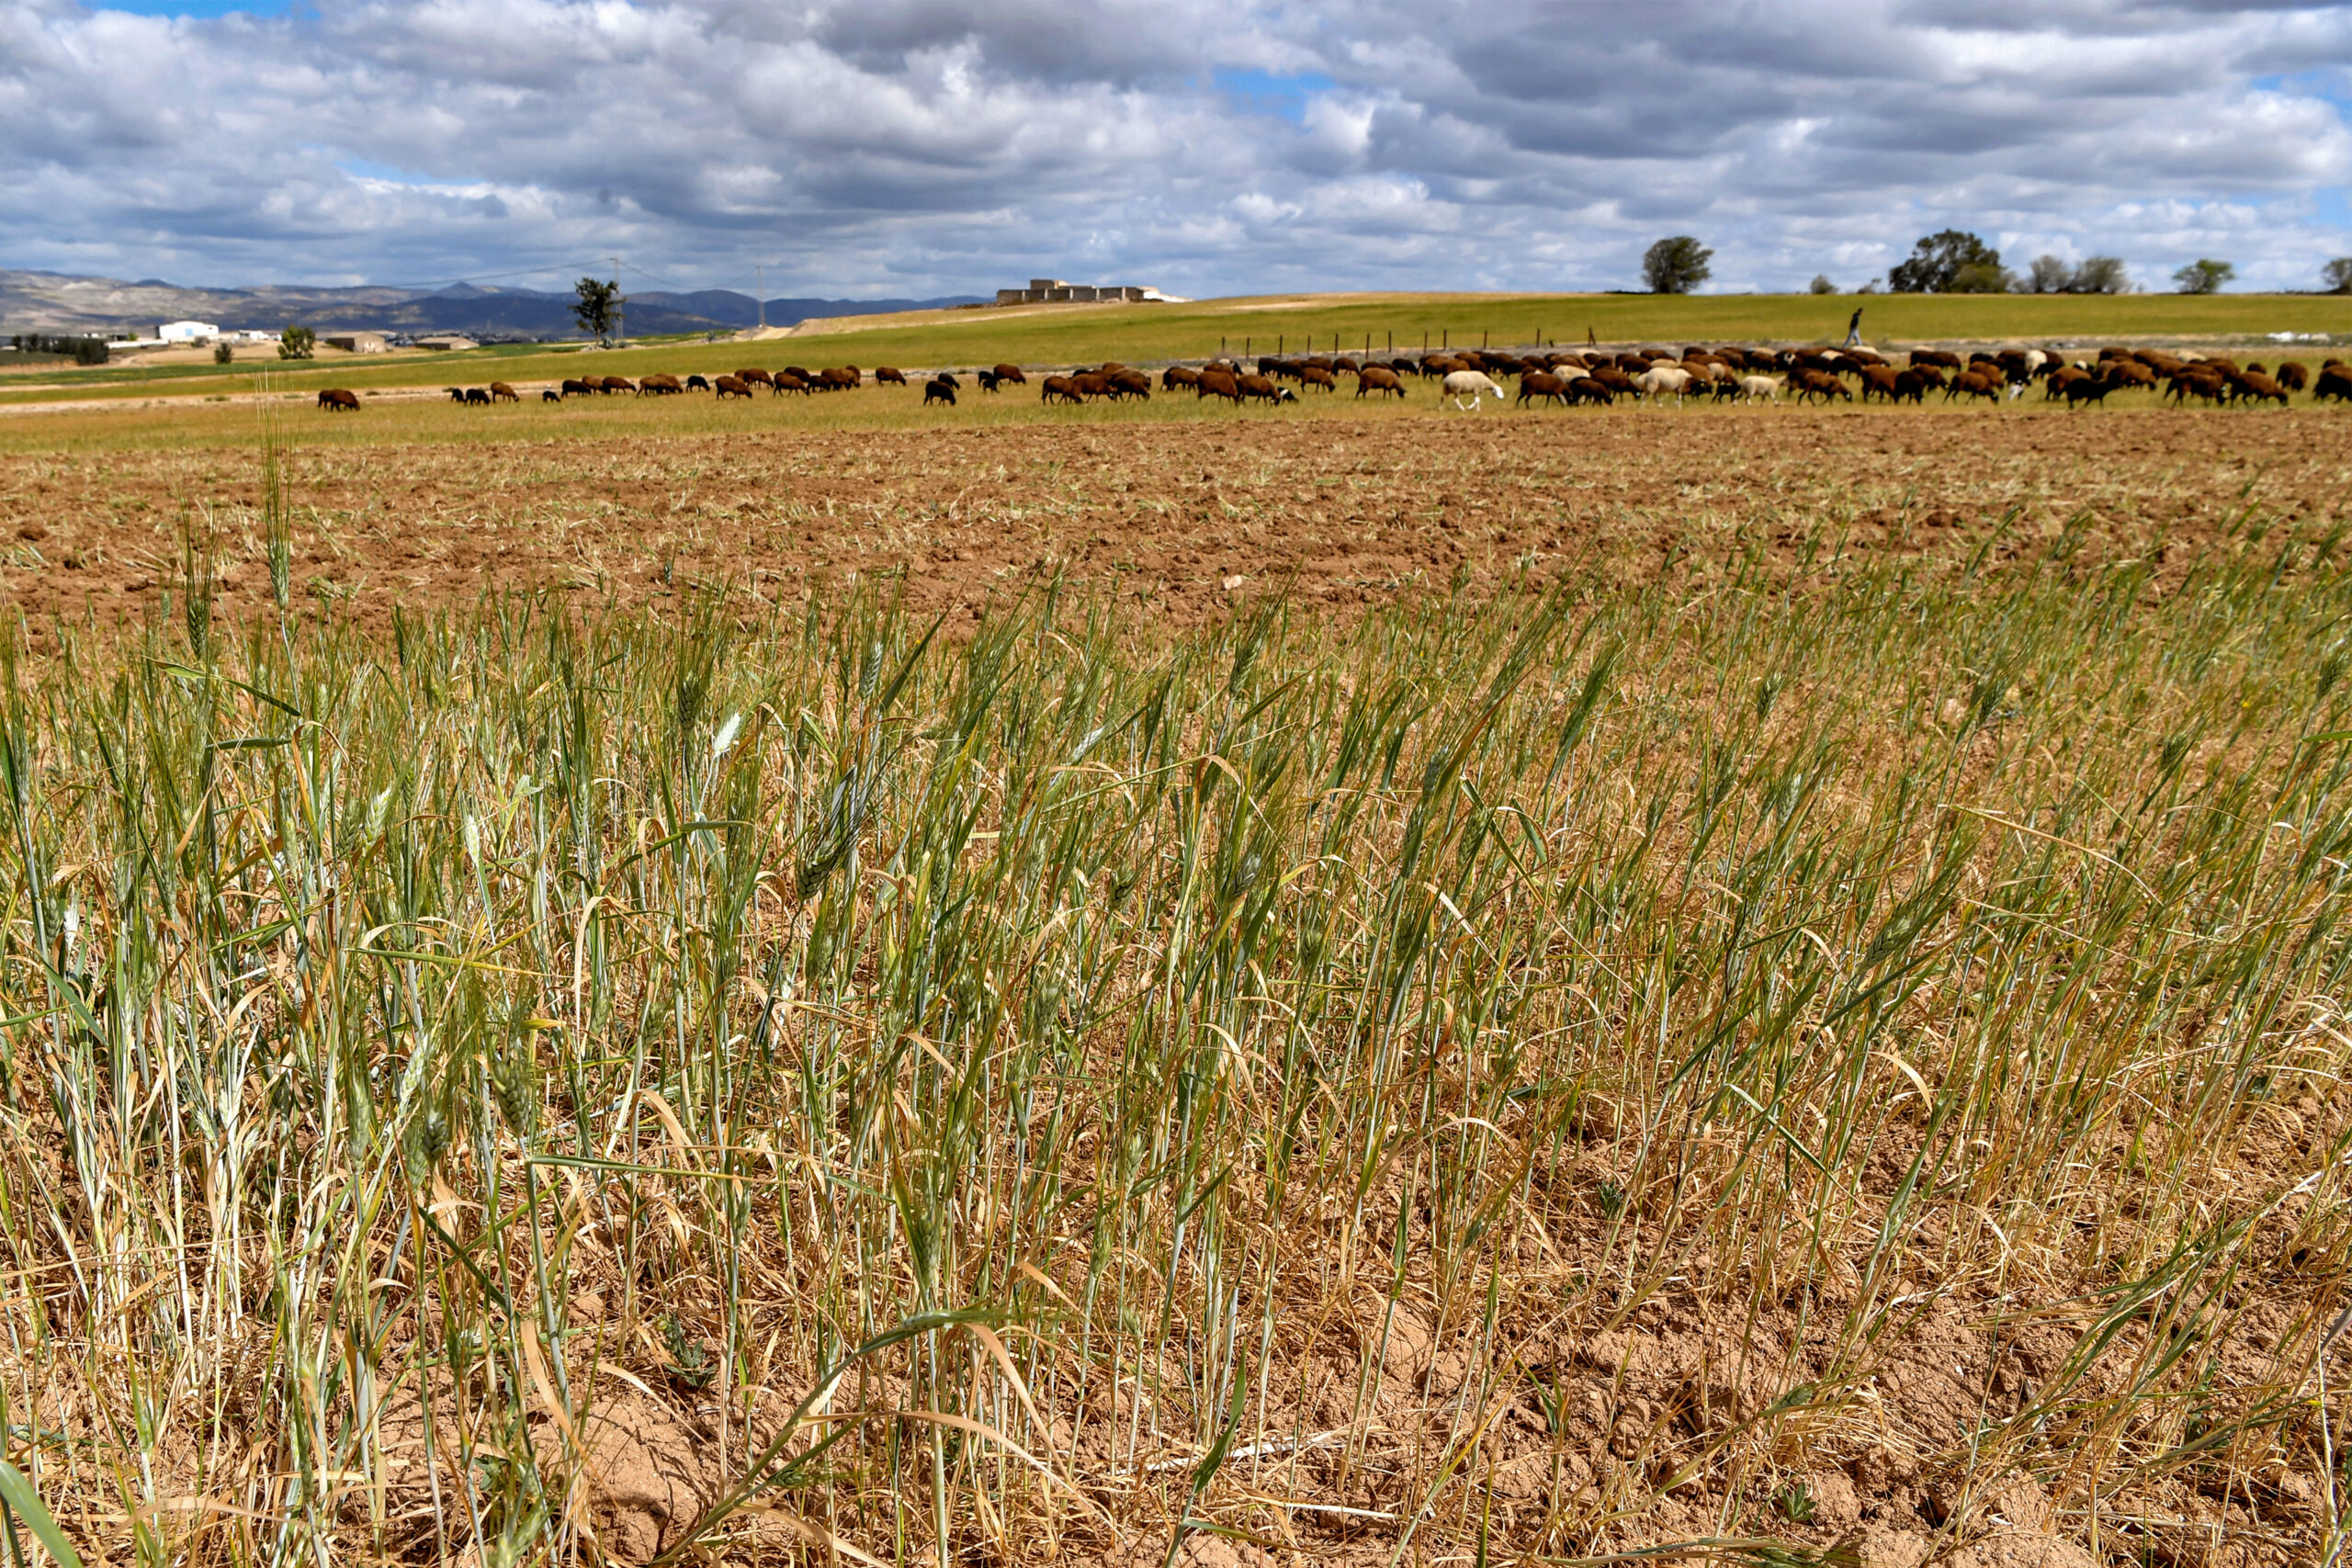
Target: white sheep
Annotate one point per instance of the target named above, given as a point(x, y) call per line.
point(1470, 384)
point(1759, 388)
point(1663, 381)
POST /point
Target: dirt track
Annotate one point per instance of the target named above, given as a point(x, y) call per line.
point(1174, 519)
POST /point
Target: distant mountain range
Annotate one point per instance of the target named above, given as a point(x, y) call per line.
point(51, 301)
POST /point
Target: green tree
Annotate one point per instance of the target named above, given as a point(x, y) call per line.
point(2204, 276)
point(1676, 264)
point(1951, 262)
point(221, 353)
point(1821, 285)
point(2337, 275)
point(297, 343)
point(598, 308)
point(2100, 274)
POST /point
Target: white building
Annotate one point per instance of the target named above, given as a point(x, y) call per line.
point(187, 332)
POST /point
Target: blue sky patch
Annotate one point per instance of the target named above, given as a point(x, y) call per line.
point(1262, 92)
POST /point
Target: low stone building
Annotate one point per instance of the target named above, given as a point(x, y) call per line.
point(355, 342)
point(1053, 291)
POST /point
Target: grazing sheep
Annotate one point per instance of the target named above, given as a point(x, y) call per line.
point(339, 400)
point(1586, 389)
point(2335, 382)
point(838, 379)
point(890, 376)
point(1259, 387)
point(1379, 378)
point(618, 384)
point(1061, 388)
point(1125, 383)
point(785, 381)
point(660, 385)
point(2085, 389)
point(697, 384)
point(2291, 375)
point(731, 386)
point(501, 393)
point(2254, 388)
point(987, 379)
point(477, 397)
point(457, 394)
point(1759, 388)
point(549, 395)
point(1227, 385)
point(1663, 381)
point(1314, 376)
point(753, 377)
point(1177, 375)
point(1878, 381)
point(1543, 384)
point(1817, 386)
point(938, 389)
point(1012, 373)
point(1981, 384)
point(1911, 385)
point(582, 387)
point(1471, 384)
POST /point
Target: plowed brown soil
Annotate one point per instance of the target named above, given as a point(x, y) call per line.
point(1173, 519)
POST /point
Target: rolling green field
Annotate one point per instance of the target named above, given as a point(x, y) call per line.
point(1061, 335)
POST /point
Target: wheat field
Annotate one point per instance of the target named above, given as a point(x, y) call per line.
point(1794, 1068)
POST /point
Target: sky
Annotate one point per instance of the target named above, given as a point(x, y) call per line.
point(872, 148)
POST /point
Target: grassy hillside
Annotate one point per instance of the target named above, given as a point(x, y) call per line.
point(1053, 335)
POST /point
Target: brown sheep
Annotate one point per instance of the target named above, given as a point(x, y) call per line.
point(727, 387)
point(1615, 379)
point(1177, 375)
point(891, 376)
point(1586, 390)
point(2335, 383)
point(338, 399)
point(1259, 387)
point(582, 389)
point(1060, 388)
point(1127, 383)
point(755, 378)
point(1975, 384)
point(785, 381)
point(1911, 385)
point(500, 392)
point(1379, 378)
point(1940, 358)
point(1878, 381)
point(1012, 373)
point(838, 379)
point(2082, 388)
point(937, 391)
point(1224, 384)
point(800, 370)
point(1314, 376)
point(617, 384)
point(2291, 375)
point(660, 385)
point(1543, 384)
point(2254, 388)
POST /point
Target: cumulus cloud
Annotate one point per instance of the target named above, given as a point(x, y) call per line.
point(923, 146)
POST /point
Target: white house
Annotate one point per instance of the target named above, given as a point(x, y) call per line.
point(187, 332)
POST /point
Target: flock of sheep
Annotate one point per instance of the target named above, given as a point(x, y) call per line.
point(1468, 378)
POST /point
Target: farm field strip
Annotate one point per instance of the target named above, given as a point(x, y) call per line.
point(1056, 335)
